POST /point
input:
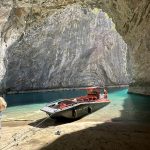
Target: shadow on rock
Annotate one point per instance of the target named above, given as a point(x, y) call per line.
point(107, 136)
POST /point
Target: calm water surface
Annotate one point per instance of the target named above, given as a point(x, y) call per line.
point(123, 106)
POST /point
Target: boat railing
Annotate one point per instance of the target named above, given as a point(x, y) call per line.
point(53, 102)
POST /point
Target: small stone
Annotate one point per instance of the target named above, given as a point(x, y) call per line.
point(58, 132)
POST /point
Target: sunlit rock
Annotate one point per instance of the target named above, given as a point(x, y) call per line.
point(67, 47)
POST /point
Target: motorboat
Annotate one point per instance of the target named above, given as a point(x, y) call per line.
point(77, 107)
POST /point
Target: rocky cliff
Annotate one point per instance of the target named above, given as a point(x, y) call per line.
point(132, 20)
point(49, 45)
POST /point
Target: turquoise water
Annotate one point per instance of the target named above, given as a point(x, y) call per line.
point(123, 106)
point(26, 105)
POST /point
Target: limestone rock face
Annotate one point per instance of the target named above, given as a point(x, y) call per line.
point(131, 17)
point(132, 20)
point(60, 47)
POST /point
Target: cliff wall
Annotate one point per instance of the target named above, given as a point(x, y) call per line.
point(50, 45)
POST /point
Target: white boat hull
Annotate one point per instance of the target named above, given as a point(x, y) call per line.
point(76, 111)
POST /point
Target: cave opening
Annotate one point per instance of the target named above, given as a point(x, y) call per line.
point(65, 44)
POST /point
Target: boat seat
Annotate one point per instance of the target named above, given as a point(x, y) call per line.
point(62, 105)
point(86, 100)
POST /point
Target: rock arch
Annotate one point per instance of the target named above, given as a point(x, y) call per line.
point(132, 20)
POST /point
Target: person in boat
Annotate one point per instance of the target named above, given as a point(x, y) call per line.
point(105, 93)
point(3, 106)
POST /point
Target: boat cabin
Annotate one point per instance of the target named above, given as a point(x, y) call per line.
point(93, 91)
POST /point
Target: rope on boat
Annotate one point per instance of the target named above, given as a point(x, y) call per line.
point(22, 136)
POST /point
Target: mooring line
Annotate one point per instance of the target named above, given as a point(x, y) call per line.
point(19, 137)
